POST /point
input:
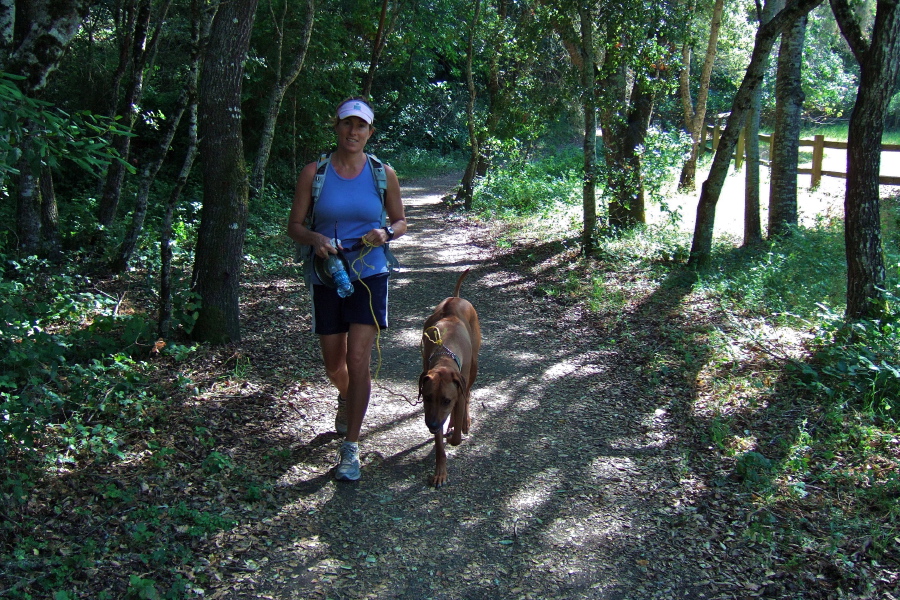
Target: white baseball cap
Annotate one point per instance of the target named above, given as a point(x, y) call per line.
point(356, 108)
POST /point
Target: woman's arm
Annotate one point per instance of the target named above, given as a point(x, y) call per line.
point(393, 203)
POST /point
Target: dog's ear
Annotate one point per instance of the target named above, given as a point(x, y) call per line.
point(460, 383)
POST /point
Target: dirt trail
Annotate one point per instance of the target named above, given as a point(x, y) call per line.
point(569, 484)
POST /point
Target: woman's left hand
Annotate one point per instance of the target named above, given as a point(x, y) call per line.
point(375, 238)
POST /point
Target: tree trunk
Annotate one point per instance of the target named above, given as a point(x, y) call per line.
point(49, 216)
point(788, 107)
point(879, 62)
point(165, 238)
point(377, 48)
point(199, 25)
point(701, 245)
point(141, 60)
point(695, 119)
point(148, 176)
point(258, 180)
point(752, 218)
point(467, 185)
point(28, 214)
point(7, 26)
point(627, 207)
point(223, 219)
point(51, 25)
point(589, 104)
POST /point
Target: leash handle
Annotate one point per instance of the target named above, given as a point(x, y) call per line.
point(438, 340)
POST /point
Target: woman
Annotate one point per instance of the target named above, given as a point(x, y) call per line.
point(349, 208)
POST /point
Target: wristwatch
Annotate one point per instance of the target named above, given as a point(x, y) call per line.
point(390, 231)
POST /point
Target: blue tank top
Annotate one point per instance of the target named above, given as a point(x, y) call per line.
point(354, 205)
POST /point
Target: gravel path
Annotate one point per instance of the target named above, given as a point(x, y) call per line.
point(569, 485)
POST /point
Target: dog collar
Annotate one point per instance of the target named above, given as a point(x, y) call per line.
point(445, 350)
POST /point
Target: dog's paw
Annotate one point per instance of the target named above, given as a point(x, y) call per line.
point(439, 479)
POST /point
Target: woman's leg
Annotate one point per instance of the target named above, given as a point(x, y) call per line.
point(334, 354)
point(360, 341)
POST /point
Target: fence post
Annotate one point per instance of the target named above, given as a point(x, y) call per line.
point(739, 151)
point(818, 156)
point(703, 133)
point(715, 140)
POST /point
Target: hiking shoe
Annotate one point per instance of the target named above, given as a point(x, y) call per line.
point(340, 419)
point(348, 468)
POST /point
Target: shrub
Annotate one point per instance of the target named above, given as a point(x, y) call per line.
point(518, 186)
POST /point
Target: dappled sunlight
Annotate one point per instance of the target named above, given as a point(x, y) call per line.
point(534, 493)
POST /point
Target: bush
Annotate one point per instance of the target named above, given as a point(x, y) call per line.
point(859, 362)
point(518, 186)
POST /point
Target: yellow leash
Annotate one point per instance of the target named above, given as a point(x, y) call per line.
point(368, 248)
point(438, 340)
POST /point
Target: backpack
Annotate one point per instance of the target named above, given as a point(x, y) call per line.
point(305, 253)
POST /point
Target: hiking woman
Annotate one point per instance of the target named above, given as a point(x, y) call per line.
point(349, 205)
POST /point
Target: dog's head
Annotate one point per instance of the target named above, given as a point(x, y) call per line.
point(440, 388)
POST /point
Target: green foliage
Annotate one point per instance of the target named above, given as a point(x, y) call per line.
point(858, 362)
point(519, 186)
point(829, 72)
point(790, 277)
point(38, 132)
point(662, 157)
point(415, 163)
point(753, 468)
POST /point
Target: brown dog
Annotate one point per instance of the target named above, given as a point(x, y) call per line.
point(450, 342)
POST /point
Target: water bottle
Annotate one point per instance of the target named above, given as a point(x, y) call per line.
point(335, 266)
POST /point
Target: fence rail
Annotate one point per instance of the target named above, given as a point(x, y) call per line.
point(712, 133)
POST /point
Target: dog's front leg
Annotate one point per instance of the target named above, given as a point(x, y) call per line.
point(440, 468)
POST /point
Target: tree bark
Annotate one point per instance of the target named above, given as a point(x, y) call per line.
point(7, 26)
point(49, 216)
point(199, 31)
point(589, 104)
point(789, 98)
point(377, 48)
point(701, 245)
point(28, 214)
point(258, 180)
point(52, 25)
point(223, 218)
point(695, 119)
point(879, 63)
point(627, 207)
point(752, 218)
point(467, 184)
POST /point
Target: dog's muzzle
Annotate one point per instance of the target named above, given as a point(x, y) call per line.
point(433, 426)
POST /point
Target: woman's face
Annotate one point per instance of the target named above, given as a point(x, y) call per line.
point(352, 133)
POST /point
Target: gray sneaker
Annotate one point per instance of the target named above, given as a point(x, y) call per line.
point(348, 467)
point(340, 419)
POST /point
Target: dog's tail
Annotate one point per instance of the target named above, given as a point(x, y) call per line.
point(459, 282)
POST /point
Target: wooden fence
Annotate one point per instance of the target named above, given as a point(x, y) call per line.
point(818, 144)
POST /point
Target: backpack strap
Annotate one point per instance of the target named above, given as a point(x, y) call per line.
point(317, 185)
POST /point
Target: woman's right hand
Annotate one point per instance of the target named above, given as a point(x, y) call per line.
point(323, 246)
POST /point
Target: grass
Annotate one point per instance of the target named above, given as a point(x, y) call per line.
point(837, 132)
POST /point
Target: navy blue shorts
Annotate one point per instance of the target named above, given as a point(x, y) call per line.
point(332, 314)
